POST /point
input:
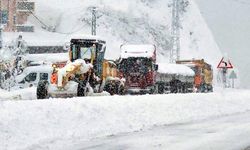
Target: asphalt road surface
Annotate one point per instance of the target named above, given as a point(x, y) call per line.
point(217, 133)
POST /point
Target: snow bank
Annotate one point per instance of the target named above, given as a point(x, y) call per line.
point(175, 69)
point(23, 94)
point(44, 124)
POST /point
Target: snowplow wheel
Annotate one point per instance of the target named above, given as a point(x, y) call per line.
point(110, 88)
point(42, 90)
point(121, 89)
point(81, 89)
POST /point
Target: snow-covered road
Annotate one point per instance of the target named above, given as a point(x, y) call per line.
point(223, 133)
point(182, 121)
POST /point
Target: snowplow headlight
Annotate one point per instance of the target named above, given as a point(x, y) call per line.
point(54, 65)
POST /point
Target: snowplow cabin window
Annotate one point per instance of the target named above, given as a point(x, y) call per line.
point(86, 52)
point(74, 50)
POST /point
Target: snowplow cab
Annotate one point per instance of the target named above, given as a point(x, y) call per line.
point(90, 50)
point(86, 73)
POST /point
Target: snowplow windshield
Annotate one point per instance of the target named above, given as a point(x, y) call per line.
point(83, 51)
point(87, 52)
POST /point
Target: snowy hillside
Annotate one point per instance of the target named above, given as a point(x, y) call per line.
point(132, 21)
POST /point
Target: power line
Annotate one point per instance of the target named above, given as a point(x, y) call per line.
point(72, 32)
point(42, 23)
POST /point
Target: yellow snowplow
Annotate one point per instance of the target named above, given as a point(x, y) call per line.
point(86, 73)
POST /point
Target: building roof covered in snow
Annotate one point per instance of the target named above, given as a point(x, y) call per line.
point(44, 38)
point(36, 38)
point(53, 58)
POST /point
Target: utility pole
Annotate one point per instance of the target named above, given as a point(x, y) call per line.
point(93, 22)
point(175, 32)
point(1, 36)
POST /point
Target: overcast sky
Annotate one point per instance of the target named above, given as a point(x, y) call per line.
point(229, 21)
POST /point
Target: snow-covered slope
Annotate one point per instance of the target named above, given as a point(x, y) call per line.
point(196, 38)
point(131, 21)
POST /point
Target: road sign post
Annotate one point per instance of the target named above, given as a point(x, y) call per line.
point(224, 66)
point(233, 76)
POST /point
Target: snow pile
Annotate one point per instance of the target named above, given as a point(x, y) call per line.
point(23, 94)
point(175, 69)
point(79, 66)
point(44, 124)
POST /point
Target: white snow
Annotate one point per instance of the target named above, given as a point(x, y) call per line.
point(81, 36)
point(197, 40)
point(20, 94)
point(38, 38)
point(175, 69)
point(148, 51)
point(133, 21)
point(55, 123)
point(71, 66)
point(47, 58)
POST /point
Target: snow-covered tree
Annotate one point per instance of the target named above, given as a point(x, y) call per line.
point(11, 62)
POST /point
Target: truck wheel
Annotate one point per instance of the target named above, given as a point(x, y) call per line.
point(160, 88)
point(42, 90)
point(210, 88)
point(111, 88)
point(204, 88)
point(82, 89)
point(184, 88)
point(121, 89)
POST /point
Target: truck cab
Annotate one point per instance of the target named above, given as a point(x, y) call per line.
point(137, 65)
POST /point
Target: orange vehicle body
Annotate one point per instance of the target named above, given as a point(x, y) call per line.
point(203, 79)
